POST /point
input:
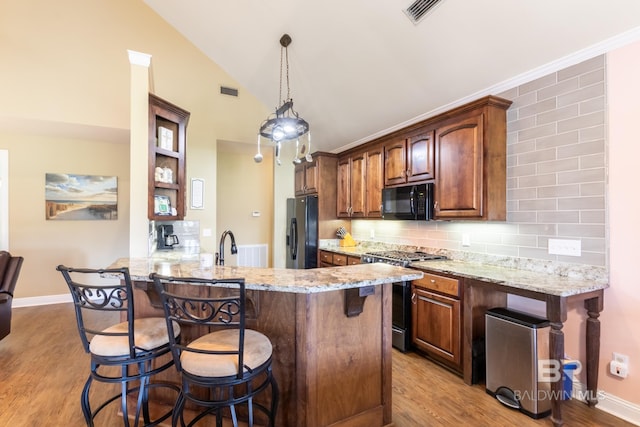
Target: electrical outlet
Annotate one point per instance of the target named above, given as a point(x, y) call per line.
point(619, 366)
point(622, 358)
point(206, 232)
point(466, 239)
point(618, 369)
point(565, 247)
point(372, 233)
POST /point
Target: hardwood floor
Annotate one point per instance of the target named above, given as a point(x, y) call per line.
point(425, 394)
point(43, 370)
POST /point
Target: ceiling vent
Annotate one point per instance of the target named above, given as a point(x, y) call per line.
point(228, 91)
point(419, 9)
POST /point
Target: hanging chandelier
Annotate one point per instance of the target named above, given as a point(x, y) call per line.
point(285, 124)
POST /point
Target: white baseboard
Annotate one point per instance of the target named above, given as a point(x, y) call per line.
point(43, 300)
point(611, 404)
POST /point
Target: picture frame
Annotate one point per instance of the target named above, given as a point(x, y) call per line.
point(197, 193)
point(161, 205)
point(80, 197)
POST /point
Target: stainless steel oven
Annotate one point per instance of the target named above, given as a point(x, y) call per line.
point(401, 299)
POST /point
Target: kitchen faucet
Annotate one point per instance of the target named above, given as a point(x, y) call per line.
point(234, 248)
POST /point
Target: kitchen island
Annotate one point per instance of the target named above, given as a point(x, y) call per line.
point(330, 329)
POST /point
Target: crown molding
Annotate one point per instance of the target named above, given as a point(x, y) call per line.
point(574, 58)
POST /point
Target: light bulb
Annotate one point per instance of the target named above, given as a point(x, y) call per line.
point(278, 133)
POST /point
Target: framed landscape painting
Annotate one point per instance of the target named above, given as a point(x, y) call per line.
point(81, 197)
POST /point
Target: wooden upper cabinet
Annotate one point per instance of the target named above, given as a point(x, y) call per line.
point(471, 163)
point(409, 158)
point(343, 198)
point(306, 178)
point(299, 180)
point(459, 183)
point(375, 182)
point(462, 151)
point(420, 156)
point(311, 177)
point(395, 162)
point(360, 184)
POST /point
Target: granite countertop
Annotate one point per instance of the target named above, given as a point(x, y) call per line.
point(274, 279)
point(549, 284)
point(347, 250)
point(526, 279)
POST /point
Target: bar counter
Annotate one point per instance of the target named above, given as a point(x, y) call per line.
point(273, 279)
point(330, 329)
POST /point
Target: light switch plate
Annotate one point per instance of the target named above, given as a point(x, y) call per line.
point(565, 247)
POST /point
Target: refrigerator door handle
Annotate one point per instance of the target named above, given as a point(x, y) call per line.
point(294, 239)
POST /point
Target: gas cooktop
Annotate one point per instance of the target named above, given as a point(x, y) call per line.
point(396, 257)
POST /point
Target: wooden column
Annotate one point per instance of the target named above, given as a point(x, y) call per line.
point(557, 315)
point(594, 306)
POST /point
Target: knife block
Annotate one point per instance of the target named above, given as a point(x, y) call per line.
point(347, 241)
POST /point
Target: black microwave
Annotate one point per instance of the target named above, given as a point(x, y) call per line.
point(411, 202)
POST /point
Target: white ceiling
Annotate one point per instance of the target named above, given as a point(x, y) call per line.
point(360, 68)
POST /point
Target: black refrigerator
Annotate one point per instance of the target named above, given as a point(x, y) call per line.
point(302, 232)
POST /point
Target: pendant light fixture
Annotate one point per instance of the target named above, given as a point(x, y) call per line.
point(285, 124)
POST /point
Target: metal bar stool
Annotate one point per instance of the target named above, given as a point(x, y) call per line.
point(132, 345)
point(222, 371)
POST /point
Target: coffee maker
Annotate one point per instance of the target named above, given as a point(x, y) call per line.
point(166, 238)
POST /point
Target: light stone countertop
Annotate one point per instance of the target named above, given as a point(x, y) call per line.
point(533, 277)
point(549, 284)
point(357, 250)
point(274, 279)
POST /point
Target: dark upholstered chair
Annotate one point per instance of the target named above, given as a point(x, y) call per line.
point(9, 271)
point(226, 368)
point(133, 346)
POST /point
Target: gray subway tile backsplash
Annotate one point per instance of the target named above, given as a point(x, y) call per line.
point(556, 172)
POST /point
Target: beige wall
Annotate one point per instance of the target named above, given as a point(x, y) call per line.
point(283, 188)
point(45, 244)
point(66, 108)
point(244, 187)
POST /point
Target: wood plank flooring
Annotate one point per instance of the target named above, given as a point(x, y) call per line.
point(43, 369)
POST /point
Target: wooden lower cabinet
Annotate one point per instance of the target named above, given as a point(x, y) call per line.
point(436, 319)
point(352, 260)
point(332, 259)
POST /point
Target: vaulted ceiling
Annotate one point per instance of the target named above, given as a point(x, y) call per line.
point(360, 68)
